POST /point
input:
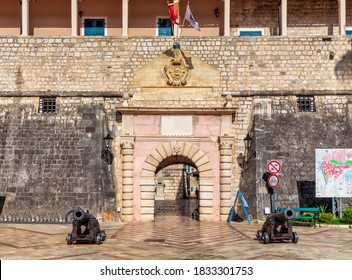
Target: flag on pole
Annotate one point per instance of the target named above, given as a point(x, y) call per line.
point(190, 18)
point(173, 10)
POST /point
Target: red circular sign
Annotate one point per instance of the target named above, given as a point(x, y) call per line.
point(274, 167)
point(273, 181)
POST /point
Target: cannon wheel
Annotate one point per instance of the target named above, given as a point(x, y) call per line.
point(69, 216)
point(266, 238)
point(99, 238)
point(103, 235)
point(259, 234)
point(69, 239)
point(295, 237)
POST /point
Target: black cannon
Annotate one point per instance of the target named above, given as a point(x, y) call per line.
point(278, 226)
point(86, 228)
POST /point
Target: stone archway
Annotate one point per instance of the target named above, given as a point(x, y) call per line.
point(187, 151)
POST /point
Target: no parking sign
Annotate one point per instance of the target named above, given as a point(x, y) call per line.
point(274, 167)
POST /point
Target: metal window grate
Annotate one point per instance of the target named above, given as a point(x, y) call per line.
point(305, 104)
point(47, 105)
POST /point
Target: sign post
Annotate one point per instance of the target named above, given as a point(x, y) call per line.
point(273, 167)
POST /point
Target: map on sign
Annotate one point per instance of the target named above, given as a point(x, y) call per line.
point(274, 167)
point(333, 172)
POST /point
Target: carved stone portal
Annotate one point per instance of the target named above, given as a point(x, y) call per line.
point(177, 71)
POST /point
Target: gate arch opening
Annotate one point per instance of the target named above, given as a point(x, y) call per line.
point(176, 190)
point(176, 152)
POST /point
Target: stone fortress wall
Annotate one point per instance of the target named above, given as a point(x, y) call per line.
point(51, 162)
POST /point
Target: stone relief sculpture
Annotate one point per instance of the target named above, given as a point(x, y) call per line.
point(177, 70)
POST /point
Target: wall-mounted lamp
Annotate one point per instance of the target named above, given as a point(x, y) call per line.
point(80, 13)
point(243, 161)
point(248, 140)
point(106, 154)
point(217, 12)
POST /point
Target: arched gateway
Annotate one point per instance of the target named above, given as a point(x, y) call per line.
point(159, 129)
point(142, 159)
point(181, 152)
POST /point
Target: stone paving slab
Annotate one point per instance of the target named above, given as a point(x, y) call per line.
point(172, 238)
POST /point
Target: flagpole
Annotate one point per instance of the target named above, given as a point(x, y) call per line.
point(184, 18)
point(183, 22)
point(177, 27)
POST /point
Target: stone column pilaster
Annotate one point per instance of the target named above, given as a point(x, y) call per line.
point(127, 151)
point(25, 18)
point(342, 17)
point(74, 18)
point(227, 13)
point(283, 18)
point(125, 18)
point(225, 176)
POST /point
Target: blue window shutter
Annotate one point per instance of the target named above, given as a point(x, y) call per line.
point(94, 27)
point(250, 33)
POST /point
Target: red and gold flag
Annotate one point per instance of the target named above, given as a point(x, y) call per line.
point(173, 10)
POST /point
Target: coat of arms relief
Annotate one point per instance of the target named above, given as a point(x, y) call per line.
point(177, 70)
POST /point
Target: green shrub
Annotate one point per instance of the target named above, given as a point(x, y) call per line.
point(323, 208)
point(307, 214)
point(326, 217)
point(347, 215)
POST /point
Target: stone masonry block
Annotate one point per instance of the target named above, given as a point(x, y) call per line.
point(127, 211)
point(147, 188)
point(168, 149)
point(147, 181)
point(157, 156)
point(127, 181)
point(148, 195)
point(206, 217)
point(225, 195)
point(127, 203)
point(206, 210)
point(147, 173)
point(147, 218)
point(147, 211)
point(162, 152)
point(147, 203)
point(127, 189)
point(206, 195)
point(147, 166)
point(205, 167)
point(206, 203)
point(206, 188)
point(197, 156)
point(152, 161)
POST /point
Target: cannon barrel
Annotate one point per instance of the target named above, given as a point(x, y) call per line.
point(285, 215)
point(81, 216)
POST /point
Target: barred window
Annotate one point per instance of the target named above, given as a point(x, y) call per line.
point(47, 105)
point(305, 104)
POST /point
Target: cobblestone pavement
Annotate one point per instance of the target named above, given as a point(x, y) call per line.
point(172, 238)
